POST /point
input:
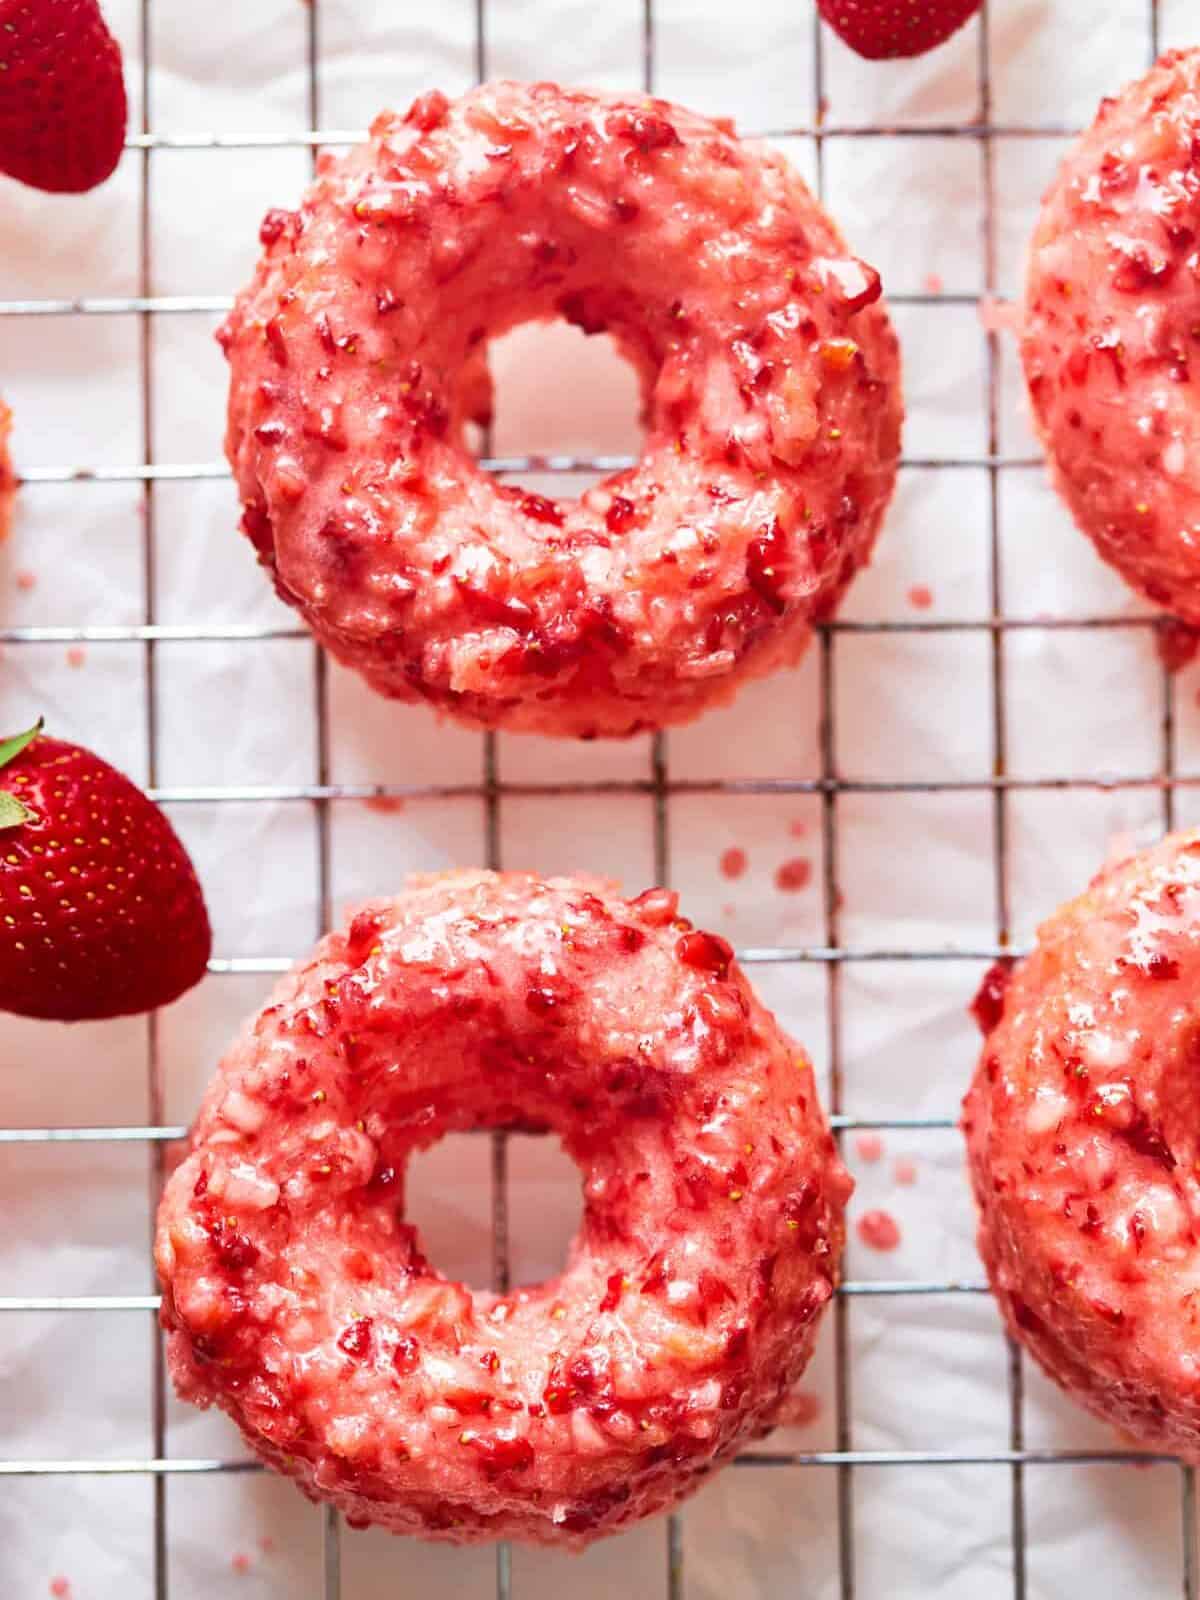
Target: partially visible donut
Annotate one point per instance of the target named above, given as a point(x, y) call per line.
point(8, 478)
point(770, 377)
point(1111, 340)
point(1083, 1136)
point(296, 1296)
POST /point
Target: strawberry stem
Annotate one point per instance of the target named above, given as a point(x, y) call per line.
point(10, 749)
point(12, 813)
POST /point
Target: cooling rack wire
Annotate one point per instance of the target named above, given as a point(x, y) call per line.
point(832, 955)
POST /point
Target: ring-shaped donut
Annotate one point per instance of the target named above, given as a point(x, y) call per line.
point(1111, 339)
point(1084, 1145)
point(296, 1296)
point(771, 396)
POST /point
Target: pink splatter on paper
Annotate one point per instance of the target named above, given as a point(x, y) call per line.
point(798, 828)
point(868, 1146)
point(733, 862)
point(794, 875)
point(389, 804)
point(26, 580)
point(60, 1588)
point(240, 1562)
point(800, 1410)
point(934, 283)
point(999, 316)
point(879, 1230)
point(920, 596)
point(76, 656)
point(266, 1544)
point(905, 1172)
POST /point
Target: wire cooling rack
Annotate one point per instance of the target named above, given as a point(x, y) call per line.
point(832, 954)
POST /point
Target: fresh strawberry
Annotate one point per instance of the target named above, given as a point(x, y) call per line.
point(100, 911)
point(881, 29)
point(62, 96)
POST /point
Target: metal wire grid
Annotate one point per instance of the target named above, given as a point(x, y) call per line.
point(832, 954)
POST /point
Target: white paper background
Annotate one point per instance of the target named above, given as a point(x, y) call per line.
point(915, 869)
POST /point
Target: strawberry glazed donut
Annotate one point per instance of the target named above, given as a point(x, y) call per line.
point(1084, 1146)
point(296, 1296)
point(1112, 333)
point(770, 382)
point(8, 478)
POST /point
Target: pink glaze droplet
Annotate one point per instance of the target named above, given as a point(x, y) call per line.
point(26, 580)
point(794, 875)
point(733, 862)
point(60, 1588)
point(266, 1544)
point(920, 596)
point(905, 1172)
point(999, 316)
point(868, 1146)
point(800, 1410)
point(879, 1230)
point(76, 656)
point(798, 828)
point(934, 283)
point(389, 804)
point(240, 1562)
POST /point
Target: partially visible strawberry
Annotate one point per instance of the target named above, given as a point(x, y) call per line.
point(62, 96)
point(882, 29)
point(100, 911)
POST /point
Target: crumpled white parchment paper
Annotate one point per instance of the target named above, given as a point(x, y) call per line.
point(915, 868)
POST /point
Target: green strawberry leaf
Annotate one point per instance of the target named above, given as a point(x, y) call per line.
point(10, 749)
point(12, 813)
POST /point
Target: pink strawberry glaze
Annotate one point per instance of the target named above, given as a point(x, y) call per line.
point(296, 1297)
point(878, 1230)
point(1083, 1143)
point(1112, 326)
point(770, 377)
point(868, 1147)
point(8, 478)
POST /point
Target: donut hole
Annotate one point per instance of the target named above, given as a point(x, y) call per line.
point(557, 390)
point(448, 1198)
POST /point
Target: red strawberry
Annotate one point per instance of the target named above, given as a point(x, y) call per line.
point(100, 911)
point(881, 29)
point(62, 96)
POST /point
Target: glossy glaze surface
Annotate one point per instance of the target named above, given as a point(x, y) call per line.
point(771, 395)
point(1084, 1143)
point(296, 1297)
point(1111, 340)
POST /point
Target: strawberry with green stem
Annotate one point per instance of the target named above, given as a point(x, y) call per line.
point(101, 913)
